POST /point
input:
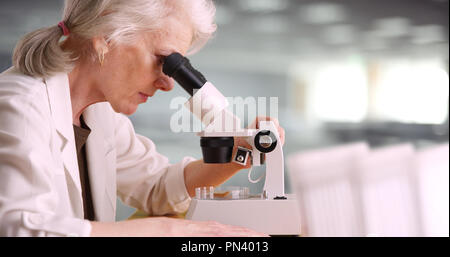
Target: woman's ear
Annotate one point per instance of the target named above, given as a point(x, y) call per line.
point(100, 45)
point(101, 48)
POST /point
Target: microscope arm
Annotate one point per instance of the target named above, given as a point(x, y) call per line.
point(274, 184)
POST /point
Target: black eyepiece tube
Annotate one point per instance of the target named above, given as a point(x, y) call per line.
point(179, 68)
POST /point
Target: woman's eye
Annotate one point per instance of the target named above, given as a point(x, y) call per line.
point(160, 59)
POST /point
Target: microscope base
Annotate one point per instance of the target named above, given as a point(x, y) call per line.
point(272, 217)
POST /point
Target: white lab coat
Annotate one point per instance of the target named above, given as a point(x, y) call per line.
point(40, 190)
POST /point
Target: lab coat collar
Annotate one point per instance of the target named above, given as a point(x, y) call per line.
point(61, 105)
point(61, 109)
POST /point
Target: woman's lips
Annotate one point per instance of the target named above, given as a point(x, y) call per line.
point(144, 97)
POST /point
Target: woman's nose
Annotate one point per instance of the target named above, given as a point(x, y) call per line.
point(164, 83)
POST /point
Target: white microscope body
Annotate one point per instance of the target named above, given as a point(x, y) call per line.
point(271, 212)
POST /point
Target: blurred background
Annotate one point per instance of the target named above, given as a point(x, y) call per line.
point(344, 71)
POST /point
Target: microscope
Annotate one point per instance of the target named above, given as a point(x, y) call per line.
point(271, 212)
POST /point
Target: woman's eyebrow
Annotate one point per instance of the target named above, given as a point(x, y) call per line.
point(167, 51)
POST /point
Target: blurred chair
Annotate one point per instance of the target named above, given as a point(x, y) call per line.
point(389, 197)
point(432, 180)
point(325, 187)
point(392, 191)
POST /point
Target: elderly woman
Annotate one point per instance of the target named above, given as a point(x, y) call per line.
point(66, 148)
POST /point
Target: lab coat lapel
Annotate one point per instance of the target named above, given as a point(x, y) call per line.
point(61, 108)
point(100, 164)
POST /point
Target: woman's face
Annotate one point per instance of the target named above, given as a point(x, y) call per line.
point(132, 73)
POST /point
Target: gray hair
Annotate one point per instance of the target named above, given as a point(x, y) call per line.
point(119, 21)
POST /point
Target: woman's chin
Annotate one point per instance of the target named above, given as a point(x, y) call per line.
point(128, 109)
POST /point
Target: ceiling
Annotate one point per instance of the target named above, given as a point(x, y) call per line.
point(272, 34)
point(268, 35)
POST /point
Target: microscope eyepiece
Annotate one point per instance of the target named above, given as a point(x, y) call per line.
point(179, 68)
point(172, 63)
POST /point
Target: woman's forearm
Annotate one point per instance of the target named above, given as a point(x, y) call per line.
point(156, 226)
point(198, 174)
point(163, 227)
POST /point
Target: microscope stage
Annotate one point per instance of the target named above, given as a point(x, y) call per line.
point(273, 217)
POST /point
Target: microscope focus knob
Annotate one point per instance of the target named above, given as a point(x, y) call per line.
point(265, 141)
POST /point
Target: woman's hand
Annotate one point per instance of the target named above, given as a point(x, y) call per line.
point(210, 228)
point(165, 227)
point(255, 125)
point(239, 141)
